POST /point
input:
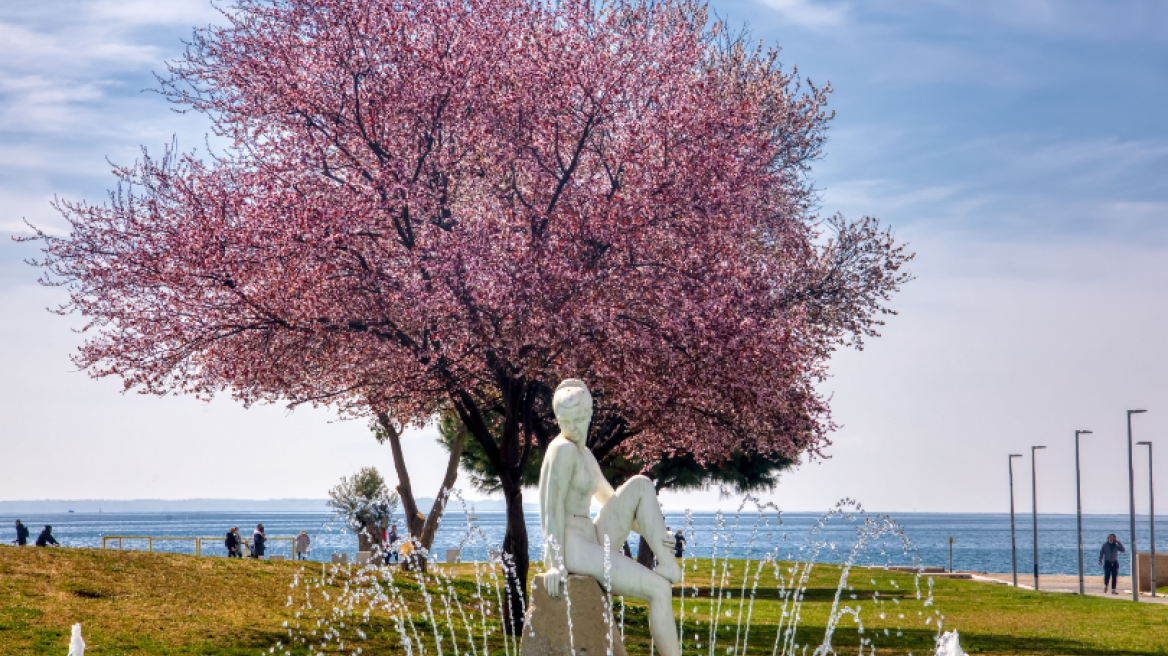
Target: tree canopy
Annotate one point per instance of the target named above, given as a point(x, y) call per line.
point(462, 202)
point(365, 502)
point(739, 474)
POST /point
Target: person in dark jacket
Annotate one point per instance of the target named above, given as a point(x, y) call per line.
point(232, 543)
point(21, 534)
point(46, 538)
point(678, 545)
point(257, 542)
point(1109, 559)
point(390, 544)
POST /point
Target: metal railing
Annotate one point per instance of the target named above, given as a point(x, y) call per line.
point(198, 542)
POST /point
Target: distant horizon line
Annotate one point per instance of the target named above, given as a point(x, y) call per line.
point(11, 505)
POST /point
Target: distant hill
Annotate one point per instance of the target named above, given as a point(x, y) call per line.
point(198, 505)
point(161, 505)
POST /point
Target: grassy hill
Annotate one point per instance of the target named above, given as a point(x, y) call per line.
point(138, 603)
point(143, 604)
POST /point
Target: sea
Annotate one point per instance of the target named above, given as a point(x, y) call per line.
point(964, 541)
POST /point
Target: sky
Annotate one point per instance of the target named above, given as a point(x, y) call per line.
point(1020, 147)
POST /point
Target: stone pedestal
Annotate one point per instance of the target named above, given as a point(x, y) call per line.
point(545, 632)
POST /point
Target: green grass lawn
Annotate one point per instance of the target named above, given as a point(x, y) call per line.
point(139, 604)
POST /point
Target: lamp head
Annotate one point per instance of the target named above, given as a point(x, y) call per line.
point(1135, 412)
point(1034, 448)
point(1083, 432)
point(1148, 443)
point(1015, 455)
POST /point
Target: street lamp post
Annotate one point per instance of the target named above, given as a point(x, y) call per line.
point(1034, 499)
point(1131, 494)
point(1013, 540)
point(1152, 513)
point(1079, 505)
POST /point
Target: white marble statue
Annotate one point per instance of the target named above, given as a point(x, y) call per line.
point(568, 481)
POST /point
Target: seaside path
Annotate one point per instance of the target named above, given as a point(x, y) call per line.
point(1092, 585)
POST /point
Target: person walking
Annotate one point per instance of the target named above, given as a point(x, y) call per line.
point(1109, 559)
point(302, 542)
point(46, 538)
point(258, 538)
point(232, 542)
point(21, 535)
point(390, 541)
point(678, 545)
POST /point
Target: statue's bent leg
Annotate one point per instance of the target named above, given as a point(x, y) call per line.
point(635, 505)
point(630, 579)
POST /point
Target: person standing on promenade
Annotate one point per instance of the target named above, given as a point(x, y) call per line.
point(232, 542)
point(302, 542)
point(678, 545)
point(46, 538)
point(257, 540)
point(1109, 559)
point(21, 535)
point(390, 541)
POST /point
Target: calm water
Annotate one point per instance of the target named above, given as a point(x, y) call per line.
point(981, 541)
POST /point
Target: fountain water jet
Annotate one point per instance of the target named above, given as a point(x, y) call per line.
point(446, 610)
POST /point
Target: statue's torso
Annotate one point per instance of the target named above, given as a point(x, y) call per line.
point(578, 500)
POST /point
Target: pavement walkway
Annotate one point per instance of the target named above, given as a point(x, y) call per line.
point(1092, 585)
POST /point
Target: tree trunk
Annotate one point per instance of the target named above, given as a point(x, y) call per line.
point(509, 458)
point(370, 537)
point(405, 491)
point(515, 549)
point(645, 555)
point(431, 526)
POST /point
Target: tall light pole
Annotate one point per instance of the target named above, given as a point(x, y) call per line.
point(1152, 512)
point(1131, 494)
point(1013, 540)
point(1079, 505)
point(1034, 498)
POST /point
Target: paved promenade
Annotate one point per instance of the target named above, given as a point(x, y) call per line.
point(1092, 585)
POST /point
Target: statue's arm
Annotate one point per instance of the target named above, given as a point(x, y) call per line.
point(601, 488)
point(558, 466)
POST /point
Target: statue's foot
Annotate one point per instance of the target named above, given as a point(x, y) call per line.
point(668, 568)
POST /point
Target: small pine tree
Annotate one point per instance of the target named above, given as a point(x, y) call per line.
point(366, 504)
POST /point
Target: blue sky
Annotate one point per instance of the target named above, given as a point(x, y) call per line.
point(1021, 147)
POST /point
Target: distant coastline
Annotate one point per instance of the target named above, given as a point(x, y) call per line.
point(161, 505)
point(196, 505)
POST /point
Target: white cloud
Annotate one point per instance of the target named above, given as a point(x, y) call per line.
point(34, 103)
point(152, 12)
point(1107, 156)
point(35, 208)
point(70, 50)
point(809, 13)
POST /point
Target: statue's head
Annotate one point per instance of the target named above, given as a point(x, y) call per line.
point(572, 404)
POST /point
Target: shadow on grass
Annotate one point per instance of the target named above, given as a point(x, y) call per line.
point(980, 643)
point(846, 639)
point(811, 595)
point(918, 641)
